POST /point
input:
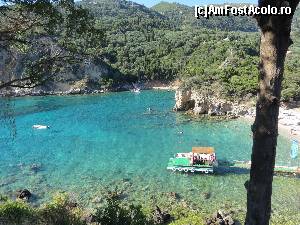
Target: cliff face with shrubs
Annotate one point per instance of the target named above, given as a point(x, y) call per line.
point(88, 76)
point(210, 103)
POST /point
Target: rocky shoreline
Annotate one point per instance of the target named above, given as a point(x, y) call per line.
point(197, 103)
point(82, 88)
point(210, 104)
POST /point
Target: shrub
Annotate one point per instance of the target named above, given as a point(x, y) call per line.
point(60, 212)
point(15, 212)
point(114, 214)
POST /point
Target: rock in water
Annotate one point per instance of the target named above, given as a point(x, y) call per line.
point(35, 167)
point(206, 195)
point(160, 217)
point(174, 195)
point(220, 218)
point(24, 194)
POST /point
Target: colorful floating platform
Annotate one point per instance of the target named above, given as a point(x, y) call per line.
point(201, 159)
point(204, 160)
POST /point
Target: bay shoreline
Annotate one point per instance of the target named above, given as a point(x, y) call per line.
point(288, 123)
point(150, 85)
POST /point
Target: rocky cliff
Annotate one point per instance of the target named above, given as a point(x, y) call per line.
point(209, 103)
point(88, 76)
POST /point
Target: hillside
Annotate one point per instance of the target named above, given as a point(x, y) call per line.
point(125, 15)
point(296, 23)
point(166, 42)
point(183, 16)
point(133, 16)
point(118, 8)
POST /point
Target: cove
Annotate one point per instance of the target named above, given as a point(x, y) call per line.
point(102, 142)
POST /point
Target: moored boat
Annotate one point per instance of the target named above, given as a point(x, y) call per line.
point(201, 159)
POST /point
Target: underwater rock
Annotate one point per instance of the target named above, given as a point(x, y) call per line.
point(160, 217)
point(8, 181)
point(146, 188)
point(206, 195)
point(184, 204)
point(126, 180)
point(24, 194)
point(174, 195)
point(220, 218)
point(35, 167)
point(116, 195)
point(20, 165)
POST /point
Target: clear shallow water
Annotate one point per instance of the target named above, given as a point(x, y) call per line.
point(96, 143)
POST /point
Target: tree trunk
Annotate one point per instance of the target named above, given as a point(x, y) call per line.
point(275, 41)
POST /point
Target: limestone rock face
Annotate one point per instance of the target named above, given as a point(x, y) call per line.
point(81, 78)
point(207, 103)
point(184, 101)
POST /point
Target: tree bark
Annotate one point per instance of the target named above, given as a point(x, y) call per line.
point(275, 41)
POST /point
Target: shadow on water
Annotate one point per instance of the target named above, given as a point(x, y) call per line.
point(7, 117)
point(10, 108)
point(16, 107)
point(225, 170)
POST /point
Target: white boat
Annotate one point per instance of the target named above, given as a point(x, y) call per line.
point(40, 127)
point(136, 90)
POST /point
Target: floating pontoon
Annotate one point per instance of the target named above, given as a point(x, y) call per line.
point(201, 159)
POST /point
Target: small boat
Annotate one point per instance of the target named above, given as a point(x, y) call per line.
point(40, 127)
point(136, 90)
point(201, 159)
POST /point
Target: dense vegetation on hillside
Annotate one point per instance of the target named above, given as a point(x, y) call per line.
point(182, 15)
point(296, 23)
point(167, 42)
point(39, 40)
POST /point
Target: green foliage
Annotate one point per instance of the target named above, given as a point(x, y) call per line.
point(191, 219)
point(163, 43)
point(62, 211)
point(182, 16)
point(59, 212)
point(3, 198)
point(115, 214)
point(14, 212)
point(107, 82)
point(296, 22)
point(47, 37)
point(291, 82)
point(166, 42)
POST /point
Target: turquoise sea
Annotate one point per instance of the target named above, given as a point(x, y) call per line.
point(102, 142)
